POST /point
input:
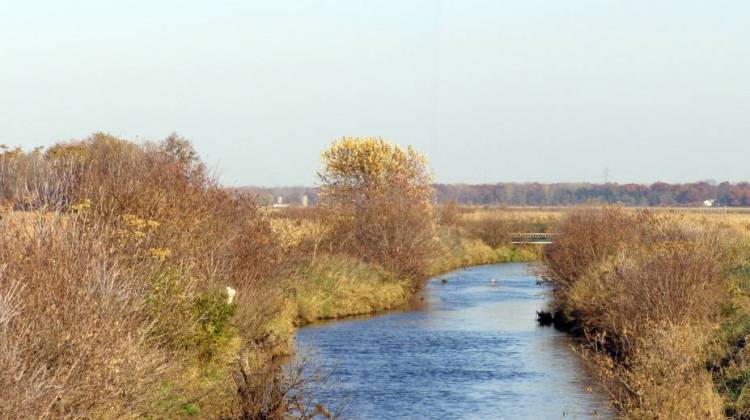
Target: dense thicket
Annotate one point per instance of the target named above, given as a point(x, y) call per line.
point(115, 259)
point(647, 293)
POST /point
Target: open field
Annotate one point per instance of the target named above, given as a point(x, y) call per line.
point(542, 219)
point(553, 210)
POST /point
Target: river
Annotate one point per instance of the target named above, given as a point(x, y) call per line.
point(472, 351)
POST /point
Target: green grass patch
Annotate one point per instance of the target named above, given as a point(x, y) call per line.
point(458, 250)
point(336, 286)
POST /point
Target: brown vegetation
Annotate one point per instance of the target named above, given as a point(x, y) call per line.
point(381, 199)
point(133, 285)
point(648, 294)
point(116, 258)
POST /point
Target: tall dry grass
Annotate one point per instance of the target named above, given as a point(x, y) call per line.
point(645, 291)
point(115, 261)
point(75, 339)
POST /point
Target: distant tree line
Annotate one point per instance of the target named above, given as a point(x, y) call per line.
point(561, 194)
point(558, 194)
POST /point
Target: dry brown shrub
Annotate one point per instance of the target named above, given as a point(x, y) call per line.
point(449, 214)
point(667, 379)
point(114, 277)
point(75, 340)
point(281, 390)
point(646, 291)
point(585, 237)
point(676, 282)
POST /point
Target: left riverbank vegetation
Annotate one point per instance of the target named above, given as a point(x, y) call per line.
point(132, 284)
point(661, 303)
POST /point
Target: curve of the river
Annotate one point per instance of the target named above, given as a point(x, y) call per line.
point(473, 351)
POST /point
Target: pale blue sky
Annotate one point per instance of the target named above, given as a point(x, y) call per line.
point(524, 90)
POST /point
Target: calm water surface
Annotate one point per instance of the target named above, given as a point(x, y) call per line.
point(473, 351)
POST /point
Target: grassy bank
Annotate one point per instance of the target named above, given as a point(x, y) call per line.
point(340, 286)
point(475, 236)
point(458, 250)
point(336, 285)
point(661, 303)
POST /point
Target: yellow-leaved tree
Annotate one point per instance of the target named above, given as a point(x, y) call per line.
point(381, 197)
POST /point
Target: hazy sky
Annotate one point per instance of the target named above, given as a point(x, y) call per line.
point(524, 90)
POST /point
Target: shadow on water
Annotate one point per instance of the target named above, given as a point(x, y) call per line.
point(471, 351)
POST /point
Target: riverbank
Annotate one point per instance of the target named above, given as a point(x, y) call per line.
point(470, 348)
point(338, 286)
point(341, 286)
point(335, 285)
point(660, 303)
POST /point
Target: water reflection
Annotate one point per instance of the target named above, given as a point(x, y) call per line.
point(474, 351)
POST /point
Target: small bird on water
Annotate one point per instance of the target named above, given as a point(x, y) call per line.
point(493, 283)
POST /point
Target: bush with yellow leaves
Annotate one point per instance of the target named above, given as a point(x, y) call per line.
point(381, 196)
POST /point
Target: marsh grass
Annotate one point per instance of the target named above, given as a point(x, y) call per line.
point(335, 286)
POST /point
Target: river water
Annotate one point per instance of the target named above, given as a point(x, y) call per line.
point(473, 351)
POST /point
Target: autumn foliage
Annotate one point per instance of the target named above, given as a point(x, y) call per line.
point(658, 194)
point(381, 198)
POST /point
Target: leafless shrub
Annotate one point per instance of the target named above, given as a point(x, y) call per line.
point(281, 390)
point(449, 214)
point(74, 335)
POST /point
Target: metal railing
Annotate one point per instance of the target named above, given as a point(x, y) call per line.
point(532, 238)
